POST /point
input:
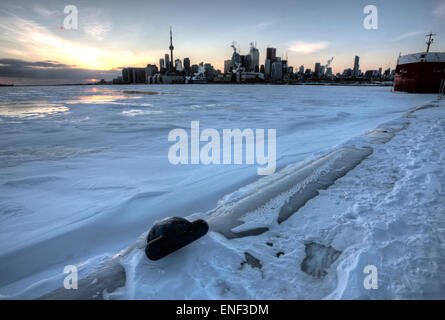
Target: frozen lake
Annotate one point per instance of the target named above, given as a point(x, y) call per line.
point(84, 169)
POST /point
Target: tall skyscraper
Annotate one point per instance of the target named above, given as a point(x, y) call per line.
point(171, 49)
point(277, 71)
point(356, 70)
point(227, 66)
point(254, 54)
point(271, 54)
point(247, 62)
point(167, 62)
point(267, 68)
point(161, 64)
point(317, 70)
point(236, 58)
point(284, 66)
point(187, 65)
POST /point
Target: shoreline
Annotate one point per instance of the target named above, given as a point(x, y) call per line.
point(343, 84)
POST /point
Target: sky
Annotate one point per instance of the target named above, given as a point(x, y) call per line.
point(35, 48)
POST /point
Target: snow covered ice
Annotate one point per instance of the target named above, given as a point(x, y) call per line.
point(84, 173)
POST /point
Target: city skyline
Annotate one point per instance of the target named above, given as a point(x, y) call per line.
point(36, 49)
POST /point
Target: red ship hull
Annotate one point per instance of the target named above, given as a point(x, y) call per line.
point(419, 77)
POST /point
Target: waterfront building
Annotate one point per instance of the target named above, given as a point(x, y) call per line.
point(254, 54)
point(277, 71)
point(356, 71)
point(187, 65)
point(228, 66)
point(167, 62)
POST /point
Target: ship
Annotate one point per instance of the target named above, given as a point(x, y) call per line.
point(422, 72)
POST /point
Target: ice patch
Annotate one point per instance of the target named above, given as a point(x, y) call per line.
point(138, 112)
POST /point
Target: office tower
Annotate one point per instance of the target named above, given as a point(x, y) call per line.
point(271, 54)
point(187, 65)
point(236, 60)
point(125, 76)
point(139, 75)
point(329, 71)
point(161, 64)
point(321, 71)
point(178, 65)
point(167, 62)
point(262, 69)
point(247, 62)
point(284, 66)
point(227, 66)
point(277, 71)
point(317, 69)
point(356, 71)
point(134, 75)
point(209, 71)
point(267, 69)
point(254, 54)
point(301, 70)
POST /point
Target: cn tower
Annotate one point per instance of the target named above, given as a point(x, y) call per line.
point(171, 51)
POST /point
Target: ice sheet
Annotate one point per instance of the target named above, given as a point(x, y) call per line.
point(86, 178)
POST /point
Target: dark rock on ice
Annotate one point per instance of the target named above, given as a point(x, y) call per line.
point(172, 234)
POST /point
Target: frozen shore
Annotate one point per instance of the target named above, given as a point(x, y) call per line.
point(386, 209)
point(84, 171)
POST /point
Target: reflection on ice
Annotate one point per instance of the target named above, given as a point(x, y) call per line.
point(30, 109)
point(100, 98)
point(105, 90)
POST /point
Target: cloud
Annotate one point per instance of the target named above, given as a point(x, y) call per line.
point(95, 23)
point(44, 12)
point(307, 47)
point(33, 72)
point(28, 38)
point(263, 25)
point(97, 31)
point(440, 10)
point(408, 35)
